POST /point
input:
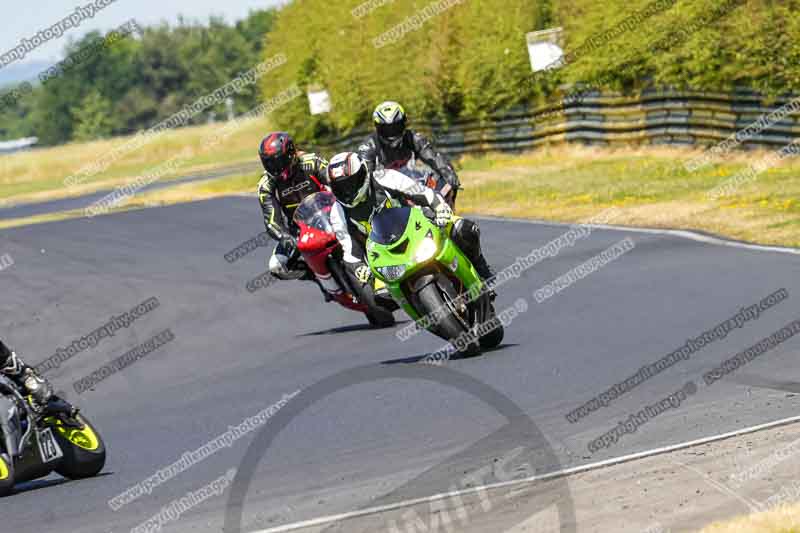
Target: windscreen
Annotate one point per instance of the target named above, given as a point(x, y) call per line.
point(314, 211)
point(389, 225)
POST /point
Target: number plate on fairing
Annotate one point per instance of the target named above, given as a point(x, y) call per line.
point(49, 450)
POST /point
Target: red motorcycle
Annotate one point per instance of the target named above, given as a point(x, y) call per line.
point(323, 253)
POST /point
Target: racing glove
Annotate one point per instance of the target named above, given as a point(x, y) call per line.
point(12, 364)
point(363, 274)
point(443, 213)
point(35, 385)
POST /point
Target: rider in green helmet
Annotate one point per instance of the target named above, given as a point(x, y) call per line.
point(394, 146)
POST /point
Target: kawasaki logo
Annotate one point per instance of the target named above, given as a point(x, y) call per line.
point(296, 188)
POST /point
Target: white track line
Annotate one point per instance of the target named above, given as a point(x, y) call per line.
point(686, 234)
point(691, 235)
point(545, 477)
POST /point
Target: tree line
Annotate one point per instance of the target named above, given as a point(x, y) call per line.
point(110, 86)
point(443, 59)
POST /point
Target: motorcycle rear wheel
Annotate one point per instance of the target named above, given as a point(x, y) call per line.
point(377, 316)
point(380, 318)
point(84, 451)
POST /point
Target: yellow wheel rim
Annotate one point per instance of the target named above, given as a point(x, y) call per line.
point(82, 438)
point(3, 469)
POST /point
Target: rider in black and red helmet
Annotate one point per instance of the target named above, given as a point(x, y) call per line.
point(289, 176)
point(278, 155)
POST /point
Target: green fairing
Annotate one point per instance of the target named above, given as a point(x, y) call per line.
point(380, 255)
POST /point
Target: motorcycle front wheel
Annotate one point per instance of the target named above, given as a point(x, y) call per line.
point(449, 325)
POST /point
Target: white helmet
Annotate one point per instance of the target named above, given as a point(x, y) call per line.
point(349, 178)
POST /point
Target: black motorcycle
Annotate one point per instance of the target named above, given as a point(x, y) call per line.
point(34, 443)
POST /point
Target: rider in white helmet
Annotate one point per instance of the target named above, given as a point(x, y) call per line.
point(362, 192)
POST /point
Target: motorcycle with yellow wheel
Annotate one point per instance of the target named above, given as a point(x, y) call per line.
point(34, 444)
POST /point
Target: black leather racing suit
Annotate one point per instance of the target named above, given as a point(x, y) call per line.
point(12, 366)
point(279, 199)
point(378, 155)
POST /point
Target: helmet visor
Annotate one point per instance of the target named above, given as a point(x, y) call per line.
point(347, 188)
point(277, 164)
point(391, 131)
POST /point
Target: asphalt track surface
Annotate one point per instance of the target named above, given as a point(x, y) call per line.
point(236, 353)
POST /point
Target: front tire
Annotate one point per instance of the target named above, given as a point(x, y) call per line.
point(449, 327)
point(6, 475)
point(84, 451)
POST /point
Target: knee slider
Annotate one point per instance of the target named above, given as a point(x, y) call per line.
point(277, 264)
point(467, 235)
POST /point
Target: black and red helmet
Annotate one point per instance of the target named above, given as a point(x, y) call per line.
point(278, 154)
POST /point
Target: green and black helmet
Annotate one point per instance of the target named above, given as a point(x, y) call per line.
point(390, 123)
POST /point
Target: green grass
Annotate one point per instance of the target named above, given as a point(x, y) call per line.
point(39, 175)
point(649, 186)
point(783, 519)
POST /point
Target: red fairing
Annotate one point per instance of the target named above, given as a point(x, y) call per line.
point(316, 246)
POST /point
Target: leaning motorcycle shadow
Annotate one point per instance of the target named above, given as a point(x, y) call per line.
point(41, 484)
point(425, 358)
point(37, 484)
point(349, 329)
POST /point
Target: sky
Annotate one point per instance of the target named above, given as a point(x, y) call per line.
point(23, 19)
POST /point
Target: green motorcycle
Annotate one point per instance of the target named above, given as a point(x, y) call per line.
point(431, 278)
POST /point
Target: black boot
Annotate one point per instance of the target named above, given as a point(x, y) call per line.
point(64, 411)
point(467, 236)
point(486, 272)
